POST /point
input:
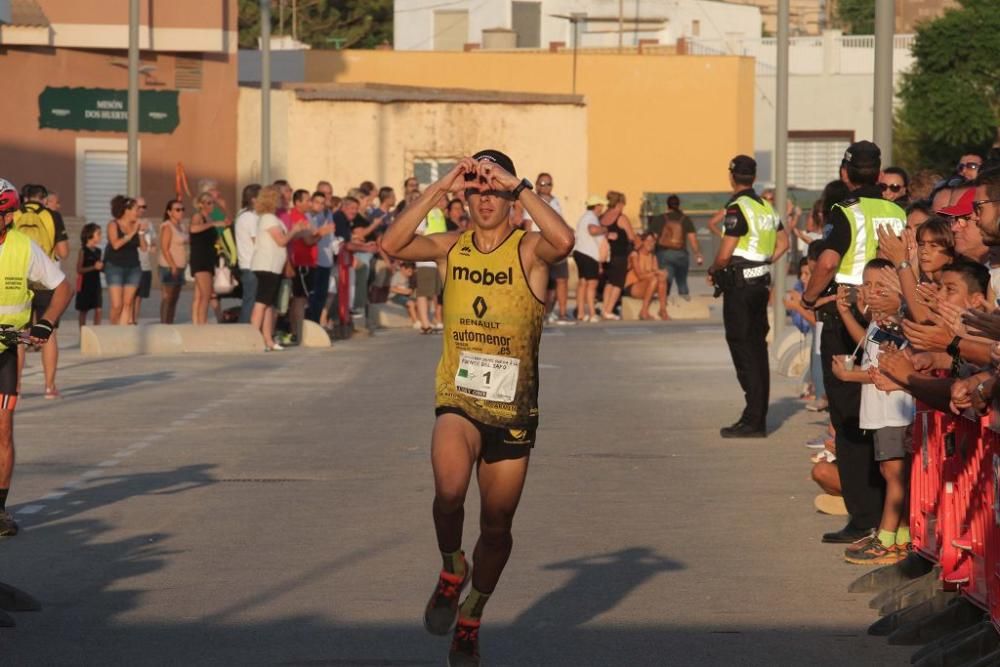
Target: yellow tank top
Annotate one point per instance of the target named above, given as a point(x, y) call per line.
point(492, 327)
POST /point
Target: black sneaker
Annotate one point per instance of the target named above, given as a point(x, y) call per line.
point(465, 644)
point(8, 527)
point(442, 609)
point(743, 430)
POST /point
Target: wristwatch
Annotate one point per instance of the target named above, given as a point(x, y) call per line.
point(982, 394)
point(952, 348)
point(525, 184)
point(809, 304)
point(903, 265)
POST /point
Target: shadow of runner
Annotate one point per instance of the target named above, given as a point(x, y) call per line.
point(601, 582)
point(110, 489)
point(93, 390)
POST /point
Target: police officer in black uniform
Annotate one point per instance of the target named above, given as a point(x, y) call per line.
point(850, 223)
point(753, 237)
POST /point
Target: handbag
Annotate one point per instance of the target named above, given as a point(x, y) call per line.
point(223, 282)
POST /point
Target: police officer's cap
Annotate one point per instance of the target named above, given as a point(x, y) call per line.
point(743, 165)
point(863, 154)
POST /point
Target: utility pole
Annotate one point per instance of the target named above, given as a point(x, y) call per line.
point(780, 270)
point(265, 92)
point(884, 89)
point(132, 169)
point(621, 25)
point(295, 19)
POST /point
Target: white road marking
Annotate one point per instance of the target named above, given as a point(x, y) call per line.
point(31, 509)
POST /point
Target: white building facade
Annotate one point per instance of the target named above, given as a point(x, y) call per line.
point(831, 90)
point(421, 25)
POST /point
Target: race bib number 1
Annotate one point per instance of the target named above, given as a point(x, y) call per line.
point(487, 376)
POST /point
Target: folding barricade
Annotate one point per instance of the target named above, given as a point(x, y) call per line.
point(929, 429)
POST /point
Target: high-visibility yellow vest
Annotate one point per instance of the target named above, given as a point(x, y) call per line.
point(758, 244)
point(15, 297)
point(865, 215)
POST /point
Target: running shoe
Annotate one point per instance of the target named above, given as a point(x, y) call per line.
point(862, 543)
point(565, 321)
point(438, 326)
point(52, 393)
point(552, 318)
point(817, 443)
point(8, 527)
point(819, 405)
point(875, 553)
point(465, 644)
point(277, 347)
point(442, 609)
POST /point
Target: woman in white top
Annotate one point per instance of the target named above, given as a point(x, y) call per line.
point(268, 261)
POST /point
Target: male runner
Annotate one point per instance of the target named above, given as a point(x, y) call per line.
point(487, 380)
point(21, 261)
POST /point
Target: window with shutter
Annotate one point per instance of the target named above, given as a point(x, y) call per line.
point(187, 73)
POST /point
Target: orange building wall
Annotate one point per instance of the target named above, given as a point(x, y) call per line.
point(655, 123)
point(205, 140)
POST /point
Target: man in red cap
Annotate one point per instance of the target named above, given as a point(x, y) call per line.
point(968, 238)
point(21, 262)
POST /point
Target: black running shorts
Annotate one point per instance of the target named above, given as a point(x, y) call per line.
point(498, 443)
point(8, 378)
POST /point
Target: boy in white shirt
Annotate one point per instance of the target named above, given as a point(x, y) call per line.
point(888, 414)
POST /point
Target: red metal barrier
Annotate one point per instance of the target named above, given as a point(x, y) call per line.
point(955, 504)
point(925, 480)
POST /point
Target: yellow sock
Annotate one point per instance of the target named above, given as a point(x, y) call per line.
point(903, 535)
point(473, 605)
point(454, 562)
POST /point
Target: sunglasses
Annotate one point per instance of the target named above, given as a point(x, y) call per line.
point(542, 184)
point(892, 188)
point(974, 166)
point(977, 206)
point(499, 194)
point(178, 208)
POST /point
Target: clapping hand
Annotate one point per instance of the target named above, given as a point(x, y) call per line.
point(929, 337)
point(979, 323)
point(895, 364)
point(892, 247)
point(881, 382)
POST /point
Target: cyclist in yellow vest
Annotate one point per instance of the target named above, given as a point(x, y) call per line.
point(850, 241)
point(487, 380)
point(21, 261)
point(752, 238)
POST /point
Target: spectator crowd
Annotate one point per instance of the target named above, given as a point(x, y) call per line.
point(925, 327)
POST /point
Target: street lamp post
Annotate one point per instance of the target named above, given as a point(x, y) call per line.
point(780, 270)
point(265, 92)
point(884, 29)
point(132, 178)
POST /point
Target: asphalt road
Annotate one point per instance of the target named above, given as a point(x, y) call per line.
point(275, 510)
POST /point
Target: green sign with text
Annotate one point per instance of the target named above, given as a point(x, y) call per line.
point(106, 110)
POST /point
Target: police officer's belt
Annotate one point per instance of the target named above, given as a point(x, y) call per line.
point(756, 272)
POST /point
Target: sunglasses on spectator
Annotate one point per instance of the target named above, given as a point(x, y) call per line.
point(545, 184)
point(178, 208)
point(894, 187)
point(977, 206)
point(969, 165)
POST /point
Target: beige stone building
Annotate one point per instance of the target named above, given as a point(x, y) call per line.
point(346, 133)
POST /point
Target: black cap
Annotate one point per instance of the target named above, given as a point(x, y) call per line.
point(862, 154)
point(743, 165)
point(497, 157)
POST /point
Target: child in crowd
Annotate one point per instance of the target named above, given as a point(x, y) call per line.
point(88, 273)
point(888, 414)
point(402, 292)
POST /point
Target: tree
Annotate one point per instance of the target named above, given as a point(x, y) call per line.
point(322, 24)
point(857, 16)
point(950, 100)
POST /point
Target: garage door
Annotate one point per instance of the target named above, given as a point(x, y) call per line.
point(104, 176)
